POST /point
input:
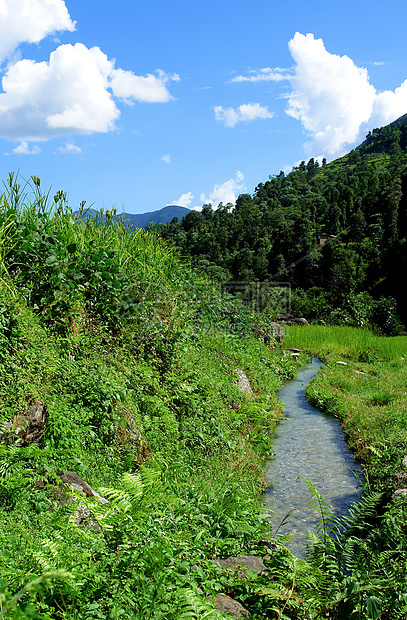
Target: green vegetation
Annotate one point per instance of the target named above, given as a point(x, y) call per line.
point(350, 342)
point(138, 374)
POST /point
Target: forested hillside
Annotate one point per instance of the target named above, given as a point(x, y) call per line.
point(337, 232)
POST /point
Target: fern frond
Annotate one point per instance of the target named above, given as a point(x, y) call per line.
point(193, 607)
point(134, 487)
point(360, 513)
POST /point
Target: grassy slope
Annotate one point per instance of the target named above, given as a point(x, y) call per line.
point(139, 377)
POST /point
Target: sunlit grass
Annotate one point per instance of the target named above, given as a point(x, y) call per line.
point(350, 342)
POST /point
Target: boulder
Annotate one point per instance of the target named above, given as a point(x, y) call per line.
point(228, 605)
point(236, 563)
point(28, 426)
point(289, 319)
point(297, 321)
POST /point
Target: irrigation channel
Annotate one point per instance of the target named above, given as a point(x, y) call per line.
point(308, 443)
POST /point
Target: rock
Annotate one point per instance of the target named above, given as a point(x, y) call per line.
point(228, 605)
point(404, 461)
point(278, 332)
point(295, 355)
point(243, 383)
point(359, 372)
point(251, 562)
point(299, 321)
point(78, 484)
point(289, 319)
point(295, 350)
point(342, 363)
point(28, 426)
point(402, 492)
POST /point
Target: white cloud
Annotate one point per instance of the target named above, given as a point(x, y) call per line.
point(166, 158)
point(70, 149)
point(263, 75)
point(29, 21)
point(226, 192)
point(24, 149)
point(184, 200)
point(331, 96)
point(334, 99)
point(389, 105)
point(69, 94)
point(244, 113)
point(150, 88)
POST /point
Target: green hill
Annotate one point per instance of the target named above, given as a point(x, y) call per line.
point(275, 234)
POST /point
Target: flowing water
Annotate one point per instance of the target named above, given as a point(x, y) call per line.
point(311, 444)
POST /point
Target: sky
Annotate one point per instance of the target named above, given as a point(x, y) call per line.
point(136, 105)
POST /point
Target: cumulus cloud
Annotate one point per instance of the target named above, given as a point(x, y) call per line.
point(166, 158)
point(244, 113)
point(226, 192)
point(29, 21)
point(184, 200)
point(334, 99)
point(330, 95)
point(24, 149)
point(263, 75)
point(69, 94)
point(69, 149)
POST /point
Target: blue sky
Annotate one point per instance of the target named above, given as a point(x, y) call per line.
point(141, 104)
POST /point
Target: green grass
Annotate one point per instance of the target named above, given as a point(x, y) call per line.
point(350, 342)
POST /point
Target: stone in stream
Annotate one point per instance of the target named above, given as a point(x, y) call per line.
point(342, 363)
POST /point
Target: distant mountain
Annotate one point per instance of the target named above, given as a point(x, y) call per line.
point(167, 214)
point(143, 220)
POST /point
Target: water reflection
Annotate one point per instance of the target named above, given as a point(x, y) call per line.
point(311, 444)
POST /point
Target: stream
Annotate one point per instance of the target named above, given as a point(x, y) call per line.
point(311, 444)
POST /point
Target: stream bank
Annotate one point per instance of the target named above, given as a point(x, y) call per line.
point(307, 443)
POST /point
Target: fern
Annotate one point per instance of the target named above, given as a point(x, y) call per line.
point(193, 607)
point(361, 514)
point(126, 506)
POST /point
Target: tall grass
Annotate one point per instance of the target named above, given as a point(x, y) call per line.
point(351, 342)
point(96, 267)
